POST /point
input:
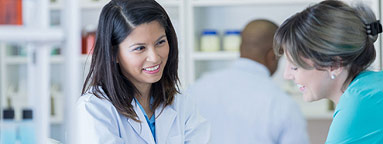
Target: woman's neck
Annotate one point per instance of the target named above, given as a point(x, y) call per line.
point(338, 88)
point(144, 98)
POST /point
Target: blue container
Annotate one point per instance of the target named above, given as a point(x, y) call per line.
point(27, 129)
point(9, 128)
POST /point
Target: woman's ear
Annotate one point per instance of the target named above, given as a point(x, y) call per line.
point(335, 70)
point(117, 59)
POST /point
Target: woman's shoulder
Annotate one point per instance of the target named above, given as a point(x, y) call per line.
point(90, 98)
point(95, 100)
point(182, 103)
point(367, 75)
point(368, 80)
point(366, 88)
point(360, 102)
point(182, 99)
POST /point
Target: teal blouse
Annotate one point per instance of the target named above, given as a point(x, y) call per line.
point(358, 117)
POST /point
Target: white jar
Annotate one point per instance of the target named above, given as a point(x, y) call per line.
point(209, 41)
point(232, 40)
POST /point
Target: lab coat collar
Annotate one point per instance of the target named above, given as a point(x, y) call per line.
point(163, 123)
point(141, 128)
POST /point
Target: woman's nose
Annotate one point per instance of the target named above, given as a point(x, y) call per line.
point(152, 55)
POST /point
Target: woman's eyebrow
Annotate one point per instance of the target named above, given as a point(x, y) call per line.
point(161, 37)
point(137, 44)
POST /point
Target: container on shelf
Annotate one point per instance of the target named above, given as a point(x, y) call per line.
point(9, 127)
point(56, 50)
point(232, 40)
point(55, 94)
point(11, 12)
point(27, 129)
point(16, 50)
point(88, 39)
point(210, 41)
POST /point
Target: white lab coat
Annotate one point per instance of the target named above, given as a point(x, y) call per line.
point(244, 106)
point(100, 123)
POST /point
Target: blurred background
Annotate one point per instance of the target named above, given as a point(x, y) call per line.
point(45, 53)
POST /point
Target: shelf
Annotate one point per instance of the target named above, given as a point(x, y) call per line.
point(55, 6)
point(22, 34)
point(209, 3)
point(17, 60)
point(221, 55)
point(55, 120)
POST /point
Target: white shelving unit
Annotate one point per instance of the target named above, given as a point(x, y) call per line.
point(38, 39)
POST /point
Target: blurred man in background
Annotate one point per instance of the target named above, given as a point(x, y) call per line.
point(242, 102)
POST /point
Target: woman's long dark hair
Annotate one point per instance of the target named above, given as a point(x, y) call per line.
point(117, 20)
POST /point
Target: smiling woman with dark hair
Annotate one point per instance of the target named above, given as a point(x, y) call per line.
point(131, 92)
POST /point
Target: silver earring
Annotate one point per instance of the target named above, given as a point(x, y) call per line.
point(332, 76)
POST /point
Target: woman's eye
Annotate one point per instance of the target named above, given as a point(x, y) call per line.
point(294, 68)
point(139, 48)
point(161, 42)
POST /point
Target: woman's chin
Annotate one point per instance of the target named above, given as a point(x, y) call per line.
point(309, 98)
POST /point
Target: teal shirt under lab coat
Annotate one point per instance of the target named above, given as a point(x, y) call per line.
point(358, 117)
point(151, 121)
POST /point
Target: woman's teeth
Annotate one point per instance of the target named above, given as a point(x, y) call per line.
point(152, 68)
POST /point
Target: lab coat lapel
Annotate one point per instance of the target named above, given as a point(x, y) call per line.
point(142, 128)
point(164, 122)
